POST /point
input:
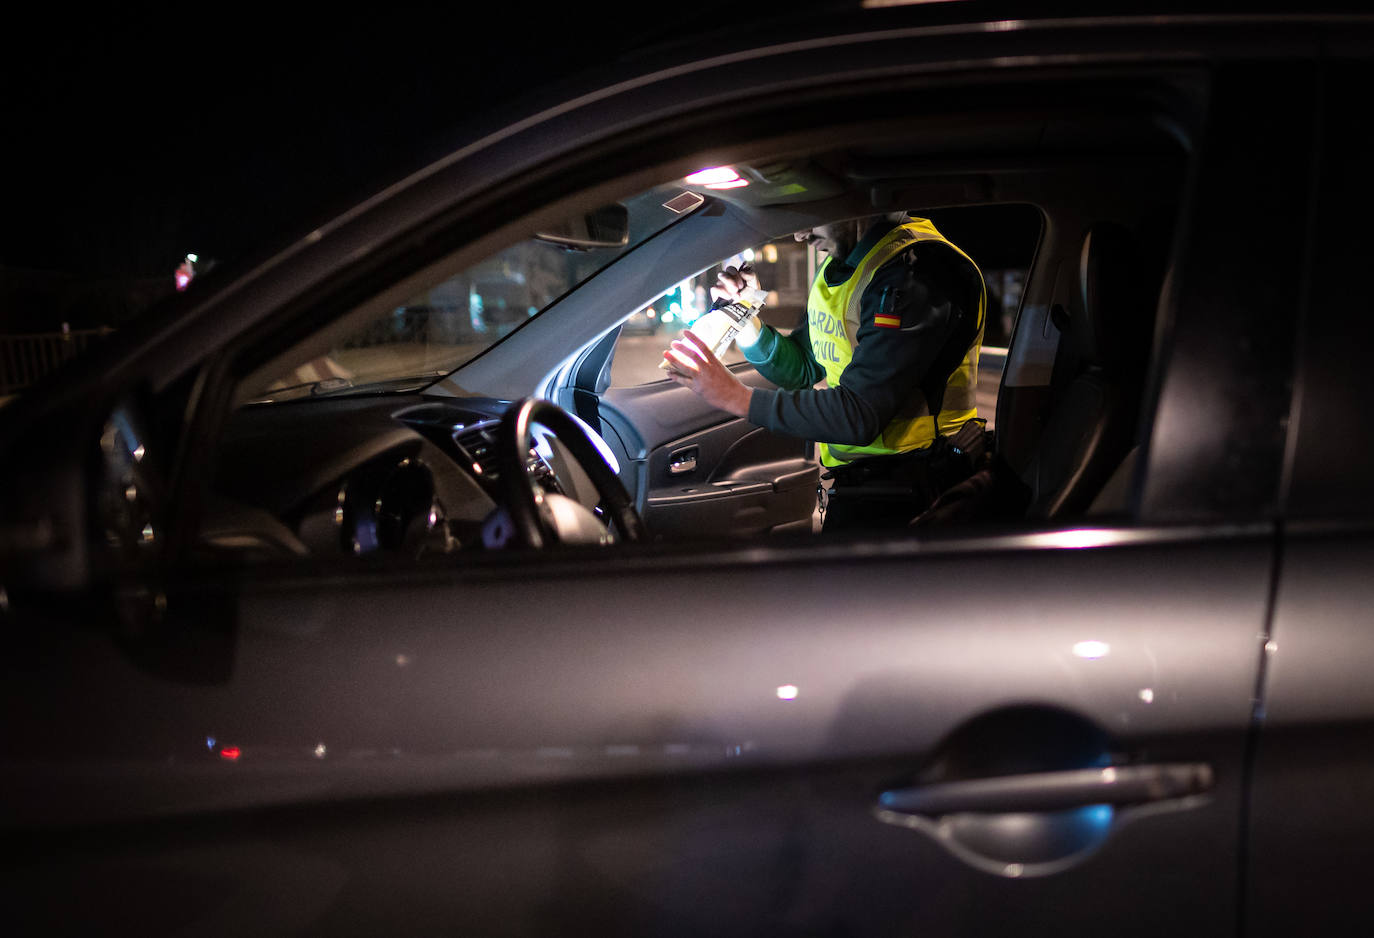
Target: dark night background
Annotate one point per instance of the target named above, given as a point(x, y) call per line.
point(131, 139)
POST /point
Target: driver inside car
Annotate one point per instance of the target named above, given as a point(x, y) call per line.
point(894, 326)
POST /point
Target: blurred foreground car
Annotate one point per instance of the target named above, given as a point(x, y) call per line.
point(466, 638)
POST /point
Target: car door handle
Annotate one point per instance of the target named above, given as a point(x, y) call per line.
point(1053, 791)
point(683, 461)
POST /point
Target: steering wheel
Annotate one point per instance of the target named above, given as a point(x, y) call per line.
point(541, 518)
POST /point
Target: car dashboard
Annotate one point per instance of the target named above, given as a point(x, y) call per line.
point(399, 475)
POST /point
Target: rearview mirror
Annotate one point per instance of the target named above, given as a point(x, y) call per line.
point(606, 227)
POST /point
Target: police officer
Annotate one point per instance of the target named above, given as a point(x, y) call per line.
point(894, 326)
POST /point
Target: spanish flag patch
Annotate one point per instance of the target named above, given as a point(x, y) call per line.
point(887, 316)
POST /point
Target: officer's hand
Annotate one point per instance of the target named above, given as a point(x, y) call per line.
point(730, 281)
point(691, 364)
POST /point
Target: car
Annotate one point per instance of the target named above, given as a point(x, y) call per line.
point(326, 619)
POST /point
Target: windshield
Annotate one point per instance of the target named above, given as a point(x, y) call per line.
point(454, 321)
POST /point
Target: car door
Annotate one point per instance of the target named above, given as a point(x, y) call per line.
point(692, 470)
point(1038, 728)
point(974, 734)
point(704, 473)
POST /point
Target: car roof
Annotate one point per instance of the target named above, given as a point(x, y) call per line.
point(503, 144)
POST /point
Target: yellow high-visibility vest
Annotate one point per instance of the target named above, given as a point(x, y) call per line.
point(832, 315)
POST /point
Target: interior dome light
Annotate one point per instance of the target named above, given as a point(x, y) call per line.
point(717, 177)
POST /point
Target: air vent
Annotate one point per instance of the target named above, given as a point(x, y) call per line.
point(479, 445)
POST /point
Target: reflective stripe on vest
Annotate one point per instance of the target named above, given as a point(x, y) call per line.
point(832, 315)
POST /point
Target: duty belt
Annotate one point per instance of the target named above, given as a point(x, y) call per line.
point(927, 471)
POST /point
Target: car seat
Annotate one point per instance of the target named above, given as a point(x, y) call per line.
point(1090, 429)
point(1100, 368)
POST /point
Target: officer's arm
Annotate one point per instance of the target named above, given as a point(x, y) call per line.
point(785, 360)
point(903, 324)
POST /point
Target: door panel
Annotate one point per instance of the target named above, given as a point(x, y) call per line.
point(1309, 812)
point(704, 473)
point(621, 746)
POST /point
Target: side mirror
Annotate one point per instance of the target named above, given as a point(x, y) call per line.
point(606, 227)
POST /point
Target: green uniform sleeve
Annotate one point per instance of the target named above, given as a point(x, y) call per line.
point(785, 360)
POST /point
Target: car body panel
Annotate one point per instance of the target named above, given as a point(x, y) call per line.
point(1308, 810)
point(499, 723)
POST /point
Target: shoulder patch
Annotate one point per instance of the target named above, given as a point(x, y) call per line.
point(887, 316)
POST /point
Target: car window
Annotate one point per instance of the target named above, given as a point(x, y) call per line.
point(448, 324)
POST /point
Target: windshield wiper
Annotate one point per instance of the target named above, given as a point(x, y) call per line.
point(338, 387)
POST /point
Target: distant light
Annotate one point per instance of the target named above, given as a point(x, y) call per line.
point(230, 752)
point(668, 317)
point(320, 750)
point(714, 176)
point(748, 255)
point(1147, 694)
point(186, 271)
point(209, 742)
point(1091, 649)
point(650, 314)
point(788, 692)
